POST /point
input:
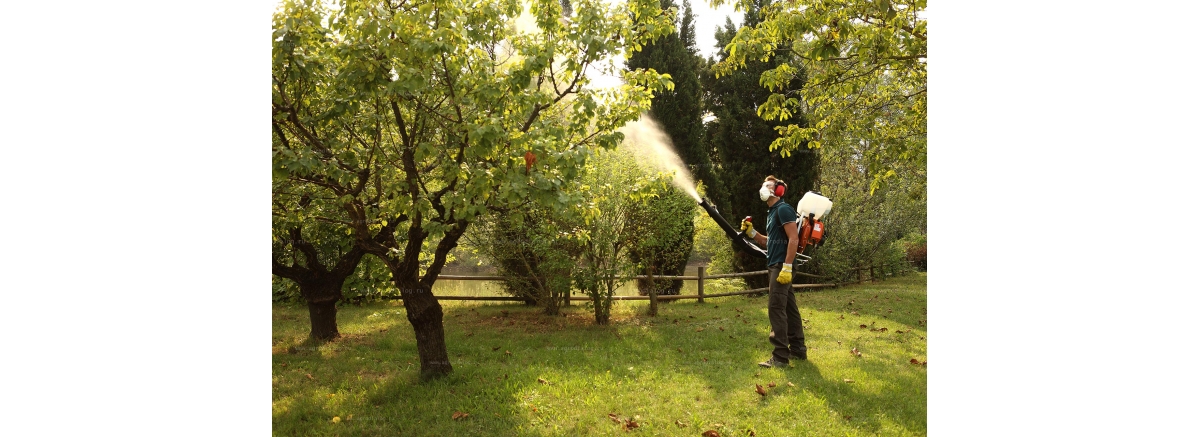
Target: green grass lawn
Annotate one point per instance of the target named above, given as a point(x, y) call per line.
point(691, 369)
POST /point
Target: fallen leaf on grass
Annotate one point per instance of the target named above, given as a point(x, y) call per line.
point(882, 329)
point(496, 348)
point(282, 364)
point(507, 353)
point(681, 424)
point(790, 384)
point(848, 381)
point(731, 336)
point(750, 432)
point(848, 417)
point(543, 381)
point(841, 317)
point(710, 433)
point(915, 362)
point(855, 313)
point(699, 329)
point(336, 419)
point(630, 424)
point(855, 352)
point(721, 328)
point(758, 389)
point(679, 349)
point(771, 384)
point(309, 375)
point(862, 326)
point(738, 310)
point(459, 415)
point(614, 417)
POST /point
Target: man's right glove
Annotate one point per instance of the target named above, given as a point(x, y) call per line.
point(748, 228)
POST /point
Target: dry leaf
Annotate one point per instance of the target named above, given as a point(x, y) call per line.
point(790, 384)
point(614, 418)
point(839, 343)
point(841, 317)
point(862, 326)
point(710, 433)
point(681, 425)
point(630, 424)
point(771, 385)
point(336, 419)
point(758, 389)
point(679, 349)
point(848, 417)
point(882, 329)
point(750, 432)
point(459, 415)
point(309, 375)
point(848, 381)
point(854, 313)
point(496, 348)
point(507, 353)
point(855, 352)
point(543, 381)
point(699, 329)
point(721, 328)
point(738, 310)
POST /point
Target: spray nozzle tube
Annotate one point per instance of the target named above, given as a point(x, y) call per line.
point(739, 239)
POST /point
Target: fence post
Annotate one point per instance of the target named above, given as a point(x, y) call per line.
point(653, 295)
point(700, 283)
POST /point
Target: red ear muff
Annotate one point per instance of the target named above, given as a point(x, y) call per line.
point(779, 189)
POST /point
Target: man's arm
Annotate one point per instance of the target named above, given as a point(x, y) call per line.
point(789, 228)
point(760, 239)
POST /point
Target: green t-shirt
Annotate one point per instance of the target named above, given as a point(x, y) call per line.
point(777, 240)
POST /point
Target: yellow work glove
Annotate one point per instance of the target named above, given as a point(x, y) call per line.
point(748, 228)
point(785, 275)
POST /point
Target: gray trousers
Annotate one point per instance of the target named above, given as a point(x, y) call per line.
point(787, 330)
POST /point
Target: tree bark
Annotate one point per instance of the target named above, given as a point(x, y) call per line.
point(425, 315)
point(323, 316)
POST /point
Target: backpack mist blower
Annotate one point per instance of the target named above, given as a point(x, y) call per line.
point(812, 232)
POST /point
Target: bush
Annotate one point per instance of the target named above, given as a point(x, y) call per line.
point(664, 228)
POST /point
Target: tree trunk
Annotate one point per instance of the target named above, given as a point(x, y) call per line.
point(323, 316)
point(322, 294)
point(425, 315)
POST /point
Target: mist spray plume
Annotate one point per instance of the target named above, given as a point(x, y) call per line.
point(649, 142)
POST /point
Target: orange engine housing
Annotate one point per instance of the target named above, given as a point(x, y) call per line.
point(811, 232)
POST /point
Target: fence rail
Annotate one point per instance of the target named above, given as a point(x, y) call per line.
point(700, 277)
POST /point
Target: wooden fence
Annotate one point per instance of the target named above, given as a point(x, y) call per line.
point(700, 277)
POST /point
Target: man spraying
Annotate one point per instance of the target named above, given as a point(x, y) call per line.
point(782, 239)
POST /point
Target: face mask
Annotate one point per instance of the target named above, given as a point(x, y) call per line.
point(764, 193)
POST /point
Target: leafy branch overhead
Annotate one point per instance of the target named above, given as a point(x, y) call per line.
point(865, 67)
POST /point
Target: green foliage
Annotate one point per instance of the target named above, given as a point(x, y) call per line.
point(665, 229)
point(711, 244)
point(863, 64)
point(864, 227)
point(614, 187)
point(741, 139)
point(535, 249)
point(679, 110)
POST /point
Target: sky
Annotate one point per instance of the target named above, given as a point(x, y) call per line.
point(707, 20)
